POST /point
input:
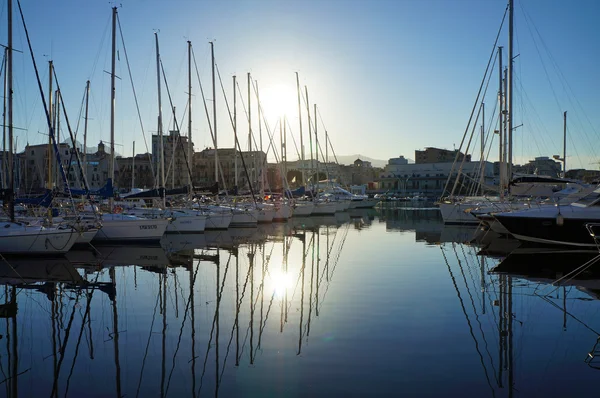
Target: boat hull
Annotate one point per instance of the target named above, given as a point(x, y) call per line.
point(123, 229)
point(34, 240)
point(324, 208)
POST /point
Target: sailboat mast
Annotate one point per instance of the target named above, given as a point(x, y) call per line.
point(174, 142)
point(262, 178)
point(133, 168)
point(190, 145)
point(50, 110)
point(501, 123)
point(316, 146)
point(214, 95)
point(85, 127)
point(565, 145)
point(482, 166)
point(4, 159)
point(235, 140)
point(9, 74)
point(509, 90)
point(300, 121)
point(250, 128)
point(312, 166)
point(284, 153)
point(111, 167)
point(161, 149)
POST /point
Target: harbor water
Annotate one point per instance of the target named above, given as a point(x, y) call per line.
point(384, 302)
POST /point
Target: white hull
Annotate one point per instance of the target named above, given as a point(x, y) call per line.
point(86, 236)
point(186, 223)
point(265, 214)
point(323, 208)
point(302, 209)
point(341, 205)
point(20, 239)
point(120, 228)
point(244, 218)
point(283, 212)
point(455, 213)
point(218, 220)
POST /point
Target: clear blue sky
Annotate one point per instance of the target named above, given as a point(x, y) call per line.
point(388, 77)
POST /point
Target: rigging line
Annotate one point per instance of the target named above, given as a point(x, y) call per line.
point(187, 306)
point(468, 323)
point(147, 347)
point(137, 105)
point(293, 139)
point(476, 100)
point(187, 162)
point(219, 293)
point(237, 142)
point(97, 57)
point(62, 349)
point(473, 305)
point(81, 330)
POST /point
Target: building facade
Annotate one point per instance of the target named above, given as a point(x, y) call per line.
point(175, 152)
point(430, 178)
point(438, 155)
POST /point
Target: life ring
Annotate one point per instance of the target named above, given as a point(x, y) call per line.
point(80, 207)
point(117, 209)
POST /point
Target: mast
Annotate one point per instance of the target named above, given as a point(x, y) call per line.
point(4, 160)
point(309, 136)
point(174, 139)
point(501, 124)
point(250, 129)
point(509, 90)
point(261, 171)
point(57, 134)
point(85, 127)
point(284, 153)
point(50, 110)
point(133, 168)
point(300, 121)
point(190, 145)
point(565, 144)
point(111, 168)
point(482, 172)
point(9, 74)
point(235, 140)
point(212, 56)
point(161, 148)
point(316, 148)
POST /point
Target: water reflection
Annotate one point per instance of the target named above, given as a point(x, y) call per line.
point(327, 307)
point(177, 319)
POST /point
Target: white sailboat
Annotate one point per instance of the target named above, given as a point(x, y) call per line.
point(120, 227)
point(15, 237)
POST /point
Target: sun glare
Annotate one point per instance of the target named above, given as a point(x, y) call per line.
point(280, 282)
point(278, 101)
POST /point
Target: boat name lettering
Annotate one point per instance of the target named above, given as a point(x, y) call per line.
point(153, 226)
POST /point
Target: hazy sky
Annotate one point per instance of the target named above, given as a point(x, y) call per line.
point(388, 77)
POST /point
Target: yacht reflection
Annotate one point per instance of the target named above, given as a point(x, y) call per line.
point(187, 327)
point(556, 277)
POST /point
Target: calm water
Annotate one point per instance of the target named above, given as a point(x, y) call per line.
point(384, 303)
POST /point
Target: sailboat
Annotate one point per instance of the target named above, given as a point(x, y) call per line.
point(118, 227)
point(18, 237)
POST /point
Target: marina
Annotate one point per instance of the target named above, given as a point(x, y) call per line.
point(241, 252)
point(274, 311)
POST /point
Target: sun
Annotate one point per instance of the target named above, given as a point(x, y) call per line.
point(277, 101)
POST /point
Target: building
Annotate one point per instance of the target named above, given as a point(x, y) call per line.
point(398, 161)
point(541, 165)
point(134, 174)
point(175, 152)
point(204, 167)
point(430, 178)
point(437, 155)
point(34, 168)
